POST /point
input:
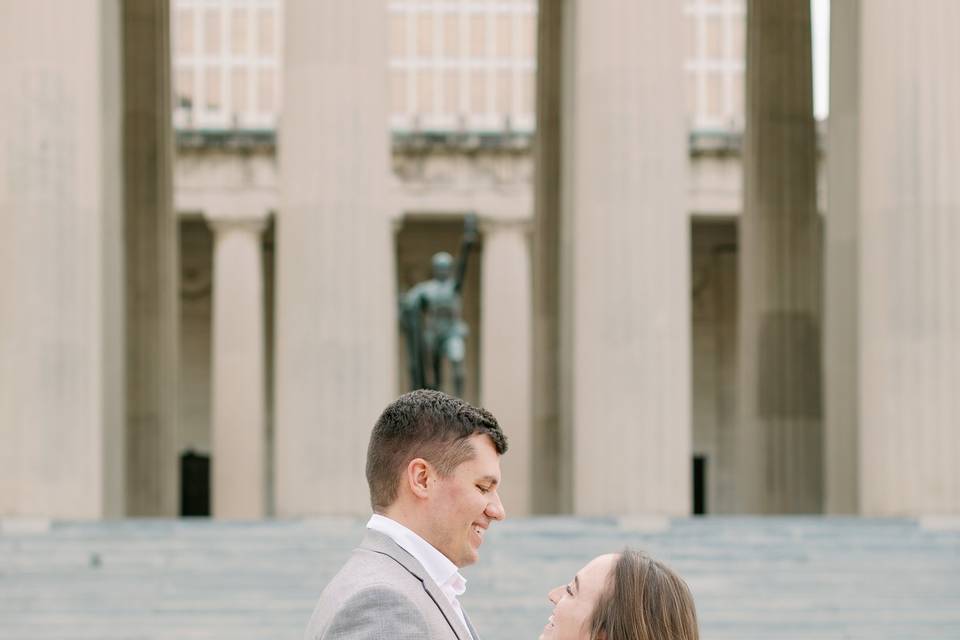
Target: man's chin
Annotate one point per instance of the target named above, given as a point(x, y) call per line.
point(468, 558)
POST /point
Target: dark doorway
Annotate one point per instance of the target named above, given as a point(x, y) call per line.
point(699, 485)
point(417, 240)
point(194, 484)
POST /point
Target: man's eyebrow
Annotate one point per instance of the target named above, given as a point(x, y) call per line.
point(490, 480)
point(576, 583)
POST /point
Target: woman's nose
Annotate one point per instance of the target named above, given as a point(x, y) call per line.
point(554, 595)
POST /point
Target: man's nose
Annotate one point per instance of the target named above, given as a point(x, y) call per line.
point(495, 508)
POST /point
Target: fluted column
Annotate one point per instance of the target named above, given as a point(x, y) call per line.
point(621, 289)
point(550, 468)
point(152, 273)
point(506, 350)
point(902, 208)
point(336, 298)
point(61, 260)
point(779, 391)
point(841, 318)
point(238, 385)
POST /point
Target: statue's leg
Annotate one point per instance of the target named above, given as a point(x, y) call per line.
point(410, 322)
point(455, 350)
point(437, 361)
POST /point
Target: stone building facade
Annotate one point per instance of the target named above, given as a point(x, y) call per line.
point(669, 311)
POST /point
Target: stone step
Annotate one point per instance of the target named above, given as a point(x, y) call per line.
point(771, 578)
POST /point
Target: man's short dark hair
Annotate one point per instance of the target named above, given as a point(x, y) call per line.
point(424, 424)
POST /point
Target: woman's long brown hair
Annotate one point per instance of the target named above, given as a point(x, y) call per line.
point(644, 600)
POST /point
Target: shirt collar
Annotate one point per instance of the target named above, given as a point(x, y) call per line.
point(439, 566)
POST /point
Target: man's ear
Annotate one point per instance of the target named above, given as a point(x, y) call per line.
point(419, 477)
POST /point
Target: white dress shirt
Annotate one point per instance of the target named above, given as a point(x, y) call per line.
point(439, 566)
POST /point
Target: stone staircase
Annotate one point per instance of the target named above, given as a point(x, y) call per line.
point(753, 578)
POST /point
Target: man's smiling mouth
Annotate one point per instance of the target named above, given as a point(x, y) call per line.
point(479, 530)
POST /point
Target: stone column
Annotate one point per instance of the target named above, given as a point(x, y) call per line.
point(506, 350)
point(336, 292)
point(722, 477)
point(779, 378)
point(841, 263)
point(901, 213)
point(549, 469)
point(61, 260)
point(621, 288)
point(238, 379)
point(152, 273)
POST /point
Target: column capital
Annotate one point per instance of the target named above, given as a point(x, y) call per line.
point(513, 224)
point(220, 222)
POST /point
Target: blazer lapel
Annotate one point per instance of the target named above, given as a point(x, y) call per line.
point(446, 608)
point(473, 632)
point(380, 543)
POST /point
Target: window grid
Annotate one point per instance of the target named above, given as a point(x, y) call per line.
point(483, 70)
point(441, 65)
point(728, 67)
point(224, 65)
point(438, 43)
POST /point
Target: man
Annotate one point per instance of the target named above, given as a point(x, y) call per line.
point(433, 467)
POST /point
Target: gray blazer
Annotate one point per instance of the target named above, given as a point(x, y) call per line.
point(383, 593)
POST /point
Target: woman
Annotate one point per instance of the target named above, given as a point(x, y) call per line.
point(625, 596)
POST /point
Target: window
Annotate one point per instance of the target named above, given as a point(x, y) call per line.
point(453, 63)
point(715, 63)
point(465, 63)
point(226, 63)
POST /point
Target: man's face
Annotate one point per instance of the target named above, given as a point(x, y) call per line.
point(465, 503)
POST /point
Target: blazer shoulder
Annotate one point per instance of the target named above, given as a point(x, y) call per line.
point(373, 612)
point(374, 593)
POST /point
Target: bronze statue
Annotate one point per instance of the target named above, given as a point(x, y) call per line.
point(431, 317)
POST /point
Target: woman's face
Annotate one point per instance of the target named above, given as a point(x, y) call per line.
point(574, 601)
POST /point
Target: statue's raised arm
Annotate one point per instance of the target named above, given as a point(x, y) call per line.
point(468, 242)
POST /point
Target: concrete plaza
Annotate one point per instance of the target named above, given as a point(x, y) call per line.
point(753, 578)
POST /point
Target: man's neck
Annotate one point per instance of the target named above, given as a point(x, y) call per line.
point(410, 521)
point(421, 542)
point(401, 517)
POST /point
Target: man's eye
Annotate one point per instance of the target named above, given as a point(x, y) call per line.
point(569, 590)
point(483, 489)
